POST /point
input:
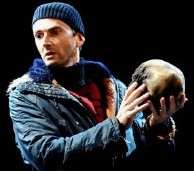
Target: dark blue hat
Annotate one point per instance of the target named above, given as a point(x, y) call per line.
point(62, 11)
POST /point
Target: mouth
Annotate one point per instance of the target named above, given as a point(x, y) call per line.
point(49, 53)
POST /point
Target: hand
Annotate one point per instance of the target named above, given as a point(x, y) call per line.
point(165, 114)
point(133, 102)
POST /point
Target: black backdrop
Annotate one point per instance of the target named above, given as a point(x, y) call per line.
point(120, 34)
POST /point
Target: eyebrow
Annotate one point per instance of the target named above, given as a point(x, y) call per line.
point(55, 27)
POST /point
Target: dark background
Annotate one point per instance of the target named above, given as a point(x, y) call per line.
point(121, 34)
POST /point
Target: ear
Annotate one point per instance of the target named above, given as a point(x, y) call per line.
point(80, 39)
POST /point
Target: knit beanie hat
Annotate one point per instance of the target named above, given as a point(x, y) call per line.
point(62, 11)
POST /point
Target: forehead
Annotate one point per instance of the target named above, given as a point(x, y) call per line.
point(48, 23)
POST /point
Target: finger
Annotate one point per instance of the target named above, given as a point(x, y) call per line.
point(183, 100)
point(130, 89)
point(139, 100)
point(173, 105)
point(163, 108)
point(135, 93)
point(140, 108)
point(152, 108)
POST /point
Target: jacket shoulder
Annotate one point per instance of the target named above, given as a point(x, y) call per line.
point(13, 84)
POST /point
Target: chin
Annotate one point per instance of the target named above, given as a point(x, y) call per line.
point(50, 63)
point(162, 79)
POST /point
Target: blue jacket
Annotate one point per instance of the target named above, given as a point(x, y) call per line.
point(55, 131)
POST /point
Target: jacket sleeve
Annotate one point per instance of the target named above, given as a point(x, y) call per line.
point(41, 143)
point(150, 145)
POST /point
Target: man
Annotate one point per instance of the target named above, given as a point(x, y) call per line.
point(69, 113)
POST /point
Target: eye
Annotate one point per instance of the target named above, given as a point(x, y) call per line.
point(54, 32)
point(38, 36)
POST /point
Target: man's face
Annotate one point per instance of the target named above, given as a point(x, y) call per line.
point(55, 42)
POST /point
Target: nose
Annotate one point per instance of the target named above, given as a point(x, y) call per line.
point(47, 40)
